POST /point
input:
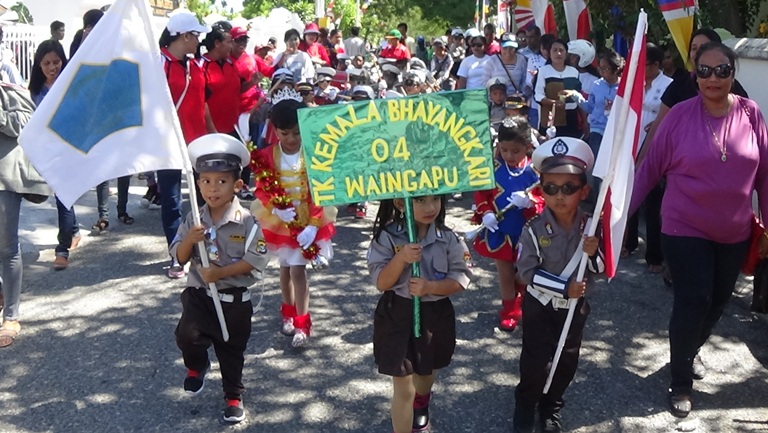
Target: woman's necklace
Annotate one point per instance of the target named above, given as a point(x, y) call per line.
point(720, 146)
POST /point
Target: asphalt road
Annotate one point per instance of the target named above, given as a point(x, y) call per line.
point(97, 352)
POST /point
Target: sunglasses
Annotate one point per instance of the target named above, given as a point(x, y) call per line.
point(304, 92)
point(567, 189)
point(213, 250)
point(721, 71)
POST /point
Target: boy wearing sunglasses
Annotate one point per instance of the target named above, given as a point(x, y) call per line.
point(235, 247)
point(550, 250)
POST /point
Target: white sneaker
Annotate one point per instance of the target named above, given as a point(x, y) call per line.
point(287, 327)
point(300, 338)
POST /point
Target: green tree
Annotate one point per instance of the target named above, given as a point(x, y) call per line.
point(23, 13)
point(256, 8)
point(201, 8)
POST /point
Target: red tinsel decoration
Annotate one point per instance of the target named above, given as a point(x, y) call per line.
point(270, 183)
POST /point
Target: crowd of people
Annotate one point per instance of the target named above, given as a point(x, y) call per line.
point(704, 151)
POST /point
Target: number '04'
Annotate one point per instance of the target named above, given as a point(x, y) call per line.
point(380, 150)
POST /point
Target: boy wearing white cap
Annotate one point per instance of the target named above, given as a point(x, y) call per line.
point(550, 250)
point(325, 93)
point(235, 246)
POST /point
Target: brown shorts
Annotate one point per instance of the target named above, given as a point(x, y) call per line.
point(397, 352)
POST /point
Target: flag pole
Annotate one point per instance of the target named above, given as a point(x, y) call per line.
point(410, 224)
point(618, 137)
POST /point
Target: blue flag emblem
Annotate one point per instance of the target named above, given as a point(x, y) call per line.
point(101, 100)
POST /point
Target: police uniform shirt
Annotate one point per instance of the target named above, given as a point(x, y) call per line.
point(443, 256)
point(231, 234)
point(549, 249)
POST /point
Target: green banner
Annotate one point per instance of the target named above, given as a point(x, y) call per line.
point(437, 143)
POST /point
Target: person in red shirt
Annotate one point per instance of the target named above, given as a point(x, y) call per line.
point(313, 47)
point(250, 93)
point(493, 47)
point(186, 82)
point(221, 79)
point(395, 49)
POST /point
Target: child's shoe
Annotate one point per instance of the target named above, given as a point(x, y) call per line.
point(155, 203)
point(288, 312)
point(421, 412)
point(302, 325)
point(361, 211)
point(551, 422)
point(195, 380)
point(511, 314)
point(523, 420)
point(234, 411)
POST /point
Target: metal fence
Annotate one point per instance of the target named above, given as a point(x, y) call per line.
point(22, 41)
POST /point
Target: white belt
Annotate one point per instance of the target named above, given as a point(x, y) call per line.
point(546, 298)
point(229, 298)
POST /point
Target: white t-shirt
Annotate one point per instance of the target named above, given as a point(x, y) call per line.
point(354, 46)
point(652, 102)
point(300, 64)
point(477, 71)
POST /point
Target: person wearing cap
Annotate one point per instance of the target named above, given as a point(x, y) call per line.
point(294, 59)
point(325, 93)
point(250, 94)
point(475, 70)
point(395, 49)
point(307, 92)
point(497, 93)
point(441, 65)
point(272, 50)
point(414, 83)
point(313, 47)
point(551, 247)
point(493, 47)
point(510, 64)
point(186, 82)
point(235, 246)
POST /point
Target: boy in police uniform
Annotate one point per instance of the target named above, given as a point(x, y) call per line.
point(235, 247)
point(550, 250)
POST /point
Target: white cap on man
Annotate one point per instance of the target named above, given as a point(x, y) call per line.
point(185, 22)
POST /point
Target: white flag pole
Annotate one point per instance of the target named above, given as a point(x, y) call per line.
point(618, 138)
point(190, 178)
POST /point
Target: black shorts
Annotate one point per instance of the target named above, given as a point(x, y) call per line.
point(397, 352)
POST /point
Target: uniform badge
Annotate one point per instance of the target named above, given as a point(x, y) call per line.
point(238, 216)
point(236, 238)
point(548, 228)
point(467, 256)
point(545, 241)
point(560, 148)
point(261, 246)
point(398, 248)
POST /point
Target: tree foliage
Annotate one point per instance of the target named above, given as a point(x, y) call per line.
point(256, 8)
point(201, 8)
point(23, 12)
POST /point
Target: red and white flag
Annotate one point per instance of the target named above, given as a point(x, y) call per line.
point(536, 12)
point(577, 18)
point(615, 163)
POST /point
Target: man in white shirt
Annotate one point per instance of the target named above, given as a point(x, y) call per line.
point(354, 46)
point(407, 40)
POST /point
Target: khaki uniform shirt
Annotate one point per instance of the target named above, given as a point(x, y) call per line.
point(232, 231)
point(549, 247)
point(443, 256)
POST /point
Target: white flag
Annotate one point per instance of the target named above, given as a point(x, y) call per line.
point(110, 113)
point(615, 162)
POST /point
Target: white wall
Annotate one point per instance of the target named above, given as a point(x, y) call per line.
point(751, 75)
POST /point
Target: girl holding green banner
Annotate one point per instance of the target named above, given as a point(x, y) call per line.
point(443, 258)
